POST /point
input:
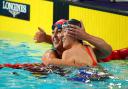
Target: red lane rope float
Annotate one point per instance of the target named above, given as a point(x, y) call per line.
point(35, 68)
point(1, 66)
point(20, 66)
point(117, 55)
point(124, 53)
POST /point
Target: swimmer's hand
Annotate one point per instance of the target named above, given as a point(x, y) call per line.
point(41, 36)
point(77, 32)
point(46, 61)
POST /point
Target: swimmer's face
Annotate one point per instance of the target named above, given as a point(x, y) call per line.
point(67, 40)
point(57, 38)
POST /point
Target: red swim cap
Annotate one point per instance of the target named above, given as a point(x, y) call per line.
point(61, 21)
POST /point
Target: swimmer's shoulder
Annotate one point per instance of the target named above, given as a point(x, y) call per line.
point(66, 54)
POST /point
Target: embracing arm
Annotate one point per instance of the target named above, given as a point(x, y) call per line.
point(50, 58)
point(102, 49)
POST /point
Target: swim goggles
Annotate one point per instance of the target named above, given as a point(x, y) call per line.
point(60, 26)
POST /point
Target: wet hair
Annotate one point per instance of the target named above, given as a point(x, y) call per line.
point(77, 23)
point(74, 22)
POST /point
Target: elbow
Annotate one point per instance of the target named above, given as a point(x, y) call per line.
point(108, 51)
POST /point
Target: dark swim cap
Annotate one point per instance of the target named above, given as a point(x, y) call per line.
point(74, 22)
point(77, 23)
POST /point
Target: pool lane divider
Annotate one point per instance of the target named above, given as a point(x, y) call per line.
point(120, 54)
point(115, 55)
point(20, 66)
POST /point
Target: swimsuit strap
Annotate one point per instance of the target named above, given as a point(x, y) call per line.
point(90, 54)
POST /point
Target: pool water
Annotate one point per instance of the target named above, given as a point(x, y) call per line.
point(23, 52)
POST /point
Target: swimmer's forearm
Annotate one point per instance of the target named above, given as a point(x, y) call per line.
point(56, 61)
point(48, 39)
point(99, 44)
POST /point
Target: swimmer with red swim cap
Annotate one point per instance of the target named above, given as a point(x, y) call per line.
point(101, 48)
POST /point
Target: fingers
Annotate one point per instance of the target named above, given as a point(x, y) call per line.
point(73, 36)
point(36, 41)
point(37, 37)
point(82, 25)
point(72, 32)
point(74, 26)
point(68, 29)
point(76, 33)
point(40, 29)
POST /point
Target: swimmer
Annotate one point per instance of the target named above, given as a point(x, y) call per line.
point(75, 54)
point(101, 48)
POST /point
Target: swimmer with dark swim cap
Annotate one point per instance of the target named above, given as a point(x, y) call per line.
point(57, 39)
point(60, 36)
point(101, 48)
point(67, 62)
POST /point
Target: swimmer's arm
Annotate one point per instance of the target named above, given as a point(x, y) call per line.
point(64, 61)
point(61, 62)
point(48, 55)
point(41, 36)
point(48, 39)
point(50, 58)
point(56, 61)
point(102, 49)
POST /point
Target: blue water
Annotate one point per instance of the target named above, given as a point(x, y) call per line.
point(22, 52)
